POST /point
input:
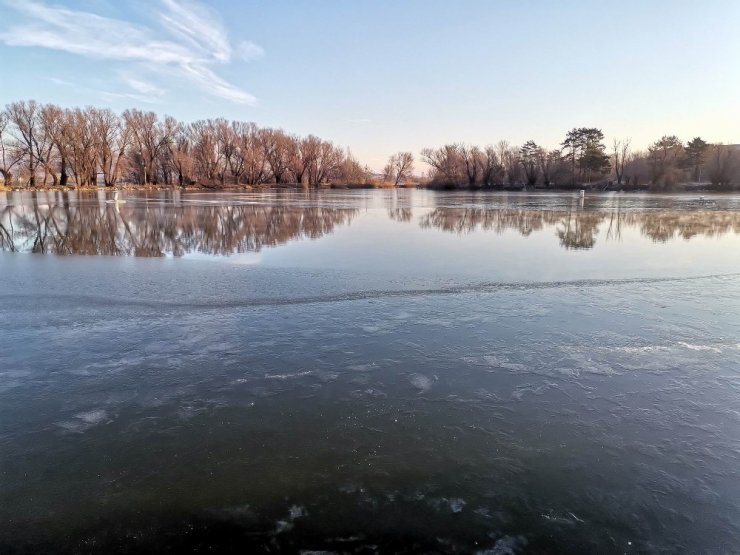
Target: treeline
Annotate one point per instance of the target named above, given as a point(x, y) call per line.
point(43, 144)
point(583, 159)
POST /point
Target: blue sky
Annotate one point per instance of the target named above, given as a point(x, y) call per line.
point(381, 76)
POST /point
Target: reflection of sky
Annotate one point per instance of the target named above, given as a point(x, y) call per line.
point(244, 258)
point(393, 236)
point(375, 244)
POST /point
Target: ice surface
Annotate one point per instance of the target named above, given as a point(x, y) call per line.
point(469, 389)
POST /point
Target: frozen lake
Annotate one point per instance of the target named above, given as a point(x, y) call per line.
point(361, 371)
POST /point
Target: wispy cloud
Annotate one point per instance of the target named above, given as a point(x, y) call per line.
point(143, 87)
point(198, 42)
point(199, 26)
point(110, 95)
point(148, 94)
point(58, 81)
point(249, 51)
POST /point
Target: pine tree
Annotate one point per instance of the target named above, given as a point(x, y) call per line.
point(694, 154)
point(587, 151)
point(529, 154)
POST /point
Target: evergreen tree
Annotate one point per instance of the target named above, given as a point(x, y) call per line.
point(529, 154)
point(694, 155)
point(587, 152)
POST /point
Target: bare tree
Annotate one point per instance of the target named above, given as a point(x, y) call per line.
point(723, 164)
point(44, 147)
point(509, 157)
point(82, 146)
point(492, 170)
point(548, 163)
point(472, 158)
point(637, 169)
point(180, 154)
point(399, 168)
point(251, 152)
point(25, 117)
point(276, 147)
point(512, 165)
point(446, 163)
point(208, 153)
point(53, 121)
point(56, 121)
point(350, 170)
point(149, 141)
point(664, 156)
point(10, 155)
point(327, 163)
point(113, 140)
point(621, 153)
point(304, 158)
point(86, 143)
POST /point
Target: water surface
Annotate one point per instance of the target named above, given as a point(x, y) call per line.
point(370, 371)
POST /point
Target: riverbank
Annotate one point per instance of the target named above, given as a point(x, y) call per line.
point(196, 187)
point(680, 188)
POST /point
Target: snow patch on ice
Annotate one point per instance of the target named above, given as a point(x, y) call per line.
point(695, 347)
point(421, 382)
point(83, 421)
point(289, 375)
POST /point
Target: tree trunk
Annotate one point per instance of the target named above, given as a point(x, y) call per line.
point(63, 178)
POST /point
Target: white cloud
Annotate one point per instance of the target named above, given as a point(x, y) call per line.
point(59, 81)
point(200, 26)
point(208, 80)
point(249, 51)
point(143, 87)
point(198, 43)
point(148, 95)
point(110, 95)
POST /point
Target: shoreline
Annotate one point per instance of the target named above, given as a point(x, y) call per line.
point(685, 188)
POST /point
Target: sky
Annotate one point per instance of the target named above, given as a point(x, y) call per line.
point(381, 76)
